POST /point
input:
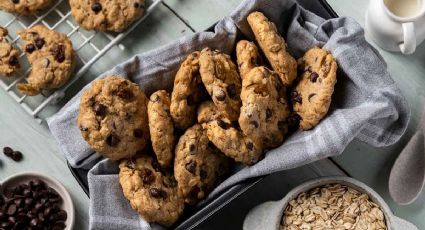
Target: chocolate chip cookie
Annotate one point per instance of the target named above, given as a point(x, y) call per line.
point(24, 7)
point(312, 96)
point(264, 110)
point(274, 47)
point(224, 134)
point(247, 57)
point(51, 57)
point(188, 91)
point(106, 15)
point(198, 164)
point(113, 117)
point(9, 61)
point(222, 81)
point(152, 192)
point(161, 127)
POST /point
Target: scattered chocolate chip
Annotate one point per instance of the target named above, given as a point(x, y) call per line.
point(222, 124)
point(13, 61)
point(125, 94)
point(249, 146)
point(8, 151)
point(203, 174)
point(231, 90)
point(191, 167)
point(39, 43)
point(99, 109)
point(30, 48)
point(96, 7)
point(138, 133)
point(112, 140)
point(254, 123)
point(220, 95)
point(192, 147)
point(296, 97)
point(17, 156)
point(147, 176)
point(158, 193)
point(313, 77)
point(310, 96)
point(59, 53)
point(269, 113)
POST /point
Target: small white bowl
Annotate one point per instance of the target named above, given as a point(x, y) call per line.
point(25, 177)
point(268, 215)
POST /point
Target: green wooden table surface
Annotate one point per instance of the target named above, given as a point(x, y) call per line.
point(170, 21)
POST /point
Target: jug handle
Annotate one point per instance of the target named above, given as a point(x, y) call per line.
point(408, 46)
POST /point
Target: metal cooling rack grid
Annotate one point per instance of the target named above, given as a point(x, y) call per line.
point(89, 46)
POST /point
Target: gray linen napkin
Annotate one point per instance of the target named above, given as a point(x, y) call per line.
point(367, 104)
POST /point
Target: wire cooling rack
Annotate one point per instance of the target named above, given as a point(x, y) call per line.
point(89, 46)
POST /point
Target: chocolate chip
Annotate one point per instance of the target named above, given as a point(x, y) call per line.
point(282, 125)
point(13, 61)
point(39, 43)
point(96, 7)
point(222, 124)
point(8, 151)
point(313, 77)
point(190, 101)
point(203, 174)
point(254, 123)
point(191, 167)
point(138, 133)
point(310, 96)
point(158, 193)
point(112, 140)
point(30, 48)
point(99, 109)
point(15, 1)
point(125, 94)
point(296, 97)
point(220, 95)
point(136, 5)
point(17, 156)
point(269, 113)
point(231, 90)
point(249, 146)
point(59, 53)
point(294, 120)
point(148, 177)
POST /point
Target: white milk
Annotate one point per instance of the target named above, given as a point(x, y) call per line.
point(404, 8)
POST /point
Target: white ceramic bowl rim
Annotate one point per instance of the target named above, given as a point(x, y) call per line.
point(63, 192)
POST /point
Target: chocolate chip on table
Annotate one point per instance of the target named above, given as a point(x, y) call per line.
point(39, 43)
point(158, 193)
point(13, 61)
point(191, 167)
point(30, 48)
point(8, 151)
point(17, 156)
point(313, 77)
point(96, 7)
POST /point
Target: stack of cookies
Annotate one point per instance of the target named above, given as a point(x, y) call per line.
point(174, 149)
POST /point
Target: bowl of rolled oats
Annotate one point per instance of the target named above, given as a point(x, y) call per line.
point(326, 203)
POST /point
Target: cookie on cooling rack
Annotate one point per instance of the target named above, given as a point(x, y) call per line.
point(9, 61)
point(51, 57)
point(24, 7)
point(106, 15)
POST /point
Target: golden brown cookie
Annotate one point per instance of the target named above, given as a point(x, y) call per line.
point(224, 134)
point(161, 127)
point(265, 110)
point(9, 62)
point(274, 47)
point(24, 7)
point(51, 57)
point(247, 57)
point(152, 192)
point(110, 15)
point(113, 118)
point(312, 96)
point(188, 91)
point(198, 164)
point(222, 81)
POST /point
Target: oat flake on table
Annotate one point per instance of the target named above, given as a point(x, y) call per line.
point(333, 206)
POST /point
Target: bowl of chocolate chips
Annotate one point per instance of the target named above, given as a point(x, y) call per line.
point(31, 200)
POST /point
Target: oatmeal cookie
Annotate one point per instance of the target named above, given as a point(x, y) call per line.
point(198, 164)
point(24, 7)
point(113, 118)
point(247, 56)
point(222, 81)
point(51, 57)
point(161, 127)
point(152, 192)
point(312, 96)
point(9, 62)
point(274, 47)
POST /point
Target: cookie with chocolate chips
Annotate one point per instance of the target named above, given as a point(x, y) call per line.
point(161, 127)
point(152, 192)
point(265, 109)
point(9, 62)
point(24, 7)
point(222, 81)
point(312, 96)
point(188, 91)
point(274, 47)
point(106, 15)
point(247, 57)
point(113, 117)
point(226, 136)
point(198, 164)
point(51, 57)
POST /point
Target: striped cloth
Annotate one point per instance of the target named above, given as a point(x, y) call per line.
point(367, 104)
